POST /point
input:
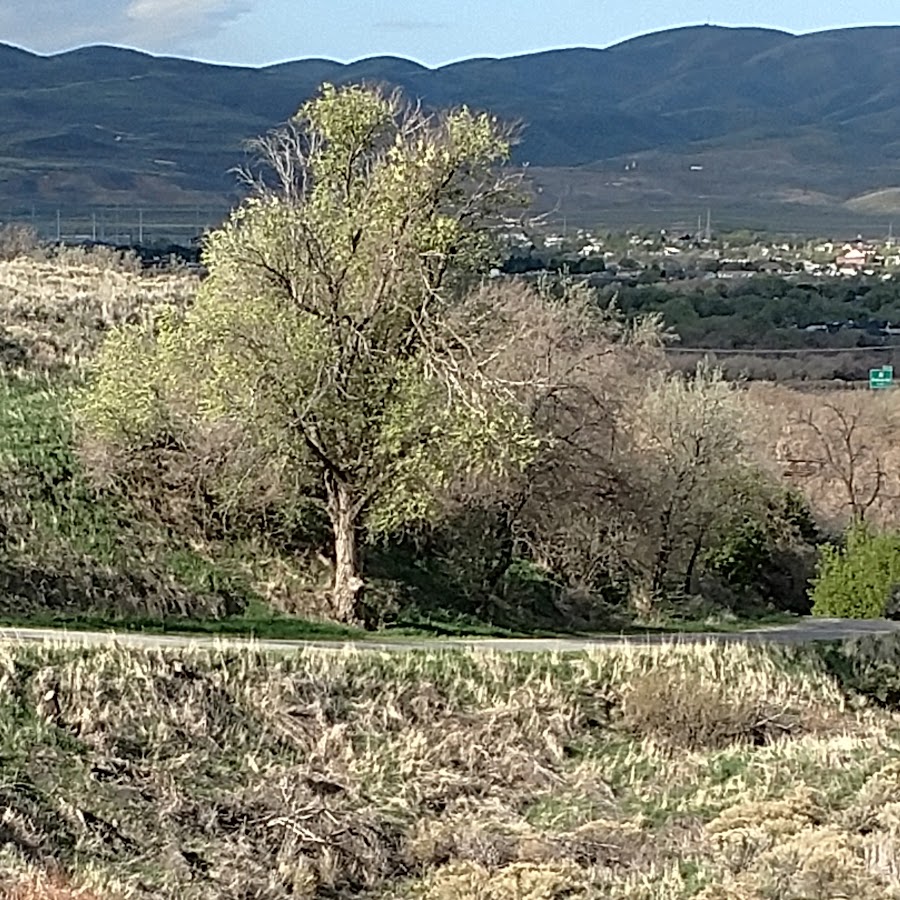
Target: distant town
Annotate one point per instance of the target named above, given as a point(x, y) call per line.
point(651, 256)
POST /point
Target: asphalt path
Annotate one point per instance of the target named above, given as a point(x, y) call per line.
point(804, 630)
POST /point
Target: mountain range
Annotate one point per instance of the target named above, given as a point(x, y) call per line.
point(758, 125)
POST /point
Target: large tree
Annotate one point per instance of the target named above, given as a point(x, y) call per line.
point(324, 336)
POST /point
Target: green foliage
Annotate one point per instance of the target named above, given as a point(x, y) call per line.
point(741, 554)
point(47, 499)
point(868, 666)
point(318, 335)
point(773, 312)
point(761, 519)
point(856, 580)
point(124, 399)
point(204, 575)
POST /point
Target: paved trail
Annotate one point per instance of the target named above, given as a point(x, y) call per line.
point(802, 631)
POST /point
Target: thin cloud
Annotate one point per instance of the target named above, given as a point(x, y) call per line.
point(175, 21)
point(156, 25)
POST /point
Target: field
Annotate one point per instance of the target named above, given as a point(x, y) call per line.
point(447, 775)
point(663, 193)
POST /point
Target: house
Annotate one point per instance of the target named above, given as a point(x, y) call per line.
point(852, 259)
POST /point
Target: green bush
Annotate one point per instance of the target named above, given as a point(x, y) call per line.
point(856, 581)
point(763, 553)
point(867, 666)
point(741, 554)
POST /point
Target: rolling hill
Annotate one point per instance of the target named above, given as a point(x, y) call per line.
point(764, 127)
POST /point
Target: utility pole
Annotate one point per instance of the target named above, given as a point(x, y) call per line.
point(58, 227)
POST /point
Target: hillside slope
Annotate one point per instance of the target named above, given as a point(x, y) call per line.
point(765, 113)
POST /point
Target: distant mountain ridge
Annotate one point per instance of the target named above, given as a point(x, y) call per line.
point(787, 119)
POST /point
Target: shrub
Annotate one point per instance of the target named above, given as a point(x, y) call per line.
point(525, 881)
point(18, 240)
point(742, 553)
point(856, 581)
point(764, 554)
point(868, 666)
point(676, 709)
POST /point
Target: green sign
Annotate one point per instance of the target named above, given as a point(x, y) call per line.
point(881, 378)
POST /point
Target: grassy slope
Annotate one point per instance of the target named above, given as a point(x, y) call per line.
point(651, 774)
point(72, 554)
point(77, 557)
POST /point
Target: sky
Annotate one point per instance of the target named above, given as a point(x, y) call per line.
point(432, 32)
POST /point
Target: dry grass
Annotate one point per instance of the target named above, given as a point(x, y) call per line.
point(672, 708)
point(441, 775)
point(56, 311)
point(37, 886)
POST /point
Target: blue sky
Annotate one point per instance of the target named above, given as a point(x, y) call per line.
point(257, 32)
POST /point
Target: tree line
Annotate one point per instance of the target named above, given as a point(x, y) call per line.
point(770, 312)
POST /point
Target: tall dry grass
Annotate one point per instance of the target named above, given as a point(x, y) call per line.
point(55, 312)
point(37, 886)
point(445, 774)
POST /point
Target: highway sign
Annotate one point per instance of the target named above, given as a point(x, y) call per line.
point(881, 378)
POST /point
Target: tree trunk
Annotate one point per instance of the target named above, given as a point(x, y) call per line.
point(347, 587)
point(689, 579)
point(661, 568)
point(664, 553)
point(507, 514)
